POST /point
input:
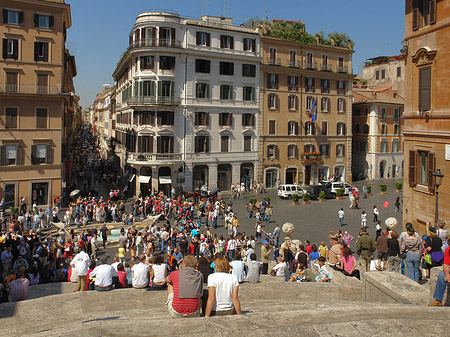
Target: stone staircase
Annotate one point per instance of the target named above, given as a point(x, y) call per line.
point(270, 308)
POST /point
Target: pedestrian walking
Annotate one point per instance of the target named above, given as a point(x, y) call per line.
point(363, 219)
point(341, 215)
point(376, 213)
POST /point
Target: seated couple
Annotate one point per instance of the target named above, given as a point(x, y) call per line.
point(185, 289)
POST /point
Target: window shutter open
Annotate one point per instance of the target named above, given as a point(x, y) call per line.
point(20, 18)
point(172, 34)
point(171, 144)
point(412, 172)
point(49, 154)
point(432, 12)
point(277, 152)
point(46, 52)
point(33, 154)
point(5, 16)
point(253, 120)
point(158, 144)
point(36, 20)
point(253, 45)
point(222, 37)
point(313, 129)
point(207, 144)
point(313, 84)
point(296, 128)
point(231, 42)
point(344, 129)
point(276, 81)
point(208, 39)
point(431, 169)
point(5, 48)
point(16, 50)
point(153, 36)
point(2, 155)
point(197, 42)
point(36, 51)
point(296, 151)
point(19, 155)
point(130, 40)
point(343, 150)
point(425, 89)
point(143, 34)
point(207, 119)
point(329, 105)
point(416, 15)
point(51, 21)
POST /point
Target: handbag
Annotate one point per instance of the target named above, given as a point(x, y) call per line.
point(436, 257)
point(428, 259)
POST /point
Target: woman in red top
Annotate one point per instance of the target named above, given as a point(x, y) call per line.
point(68, 249)
point(122, 275)
point(348, 265)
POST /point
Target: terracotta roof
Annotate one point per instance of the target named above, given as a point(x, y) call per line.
point(367, 96)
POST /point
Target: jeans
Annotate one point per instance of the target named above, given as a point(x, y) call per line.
point(259, 235)
point(441, 285)
point(104, 289)
point(413, 263)
point(276, 240)
point(341, 221)
point(268, 218)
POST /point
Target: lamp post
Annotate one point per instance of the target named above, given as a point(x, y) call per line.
point(438, 176)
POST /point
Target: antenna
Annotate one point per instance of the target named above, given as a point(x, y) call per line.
point(266, 16)
point(200, 8)
point(224, 7)
point(229, 7)
point(206, 7)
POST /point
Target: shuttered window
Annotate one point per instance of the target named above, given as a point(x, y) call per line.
point(41, 51)
point(425, 89)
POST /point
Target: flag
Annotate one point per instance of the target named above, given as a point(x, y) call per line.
point(313, 112)
point(386, 204)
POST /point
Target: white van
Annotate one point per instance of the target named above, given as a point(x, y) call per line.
point(334, 186)
point(286, 191)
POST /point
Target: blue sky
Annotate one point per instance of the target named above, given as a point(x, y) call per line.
point(100, 28)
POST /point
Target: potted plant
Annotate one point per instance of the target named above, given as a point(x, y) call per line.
point(295, 199)
point(267, 199)
point(340, 193)
point(383, 189)
point(398, 186)
point(369, 190)
point(322, 196)
point(305, 198)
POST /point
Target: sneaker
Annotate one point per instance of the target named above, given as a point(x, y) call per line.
point(435, 303)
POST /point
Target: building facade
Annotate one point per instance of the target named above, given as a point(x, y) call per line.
point(427, 112)
point(294, 76)
point(37, 102)
point(377, 134)
point(386, 71)
point(186, 103)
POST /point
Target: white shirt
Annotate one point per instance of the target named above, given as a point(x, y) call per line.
point(159, 272)
point(341, 214)
point(238, 270)
point(231, 244)
point(115, 264)
point(140, 275)
point(280, 268)
point(6, 256)
point(81, 263)
point(224, 284)
point(103, 275)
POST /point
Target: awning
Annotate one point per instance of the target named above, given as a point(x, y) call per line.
point(132, 178)
point(165, 180)
point(144, 179)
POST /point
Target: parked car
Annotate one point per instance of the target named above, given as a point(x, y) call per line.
point(286, 191)
point(314, 190)
point(333, 186)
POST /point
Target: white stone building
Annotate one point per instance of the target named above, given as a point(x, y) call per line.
point(187, 103)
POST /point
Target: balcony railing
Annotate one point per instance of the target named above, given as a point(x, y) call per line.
point(310, 65)
point(157, 158)
point(274, 61)
point(294, 64)
point(342, 69)
point(154, 100)
point(326, 67)
point(28, 89)
point(155, 43)
point(311, 157)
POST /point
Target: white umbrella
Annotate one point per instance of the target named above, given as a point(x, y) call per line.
point(74, 193)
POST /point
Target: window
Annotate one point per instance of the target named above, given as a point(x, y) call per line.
point(249, 93)
point(227, 68)
point(395, 145)
point(145, 144)
point(272, 127)
point(309, 148)
point(272, 81)
point(202, 66)
point(293, 83)
point(12, 80)
point(166, 62)
point(325, 85)
point(202, 90)
point(325, 104)
point(40, 154)
point(224, 140)
point(166, 89)
point(147, 62)
point(249, 44)
point(147, 88)
point(292, 102)
point(43, 21)
point(358, 112)
point(201, 144)
point(226, 42)
point(226, 92)
point(397, 129)
point(340, 129)
point(324, 128)
point(309, 84)
point(225, 119)
point(340, 150)
point(399, 71)
point(309, 61)
point(384, 146)
point(10, 154)
point(383, 74)
point(383, 113)
point(324, 62)
point(248, 70)
point(292, 128)
point(357, 129)
point(41, 118)
point(11, 118)
point(425, 89)
point(366, 111)
point(421, 168)
point(324, 150)
point(377, 74)
point(341, 105)
point(309, 102)
point(12, 17)
point(272, 151)
point(292, 151)
point(165, 118)
point(366, 129)
point(341, 68)
point(247, 143)
point(396, 114)
point(272, 55)
point(203, 39)
point(41, 51)
point(201, 118)
point(42, 83)
point(165, 144)
point(11, 49)
point(166, 36)
point(248, 120)
point(309, 129)
point(273, 101)
point(424, 13)
point(366, 146)
point(341, 87)
point(293, 59)
point(383, 129)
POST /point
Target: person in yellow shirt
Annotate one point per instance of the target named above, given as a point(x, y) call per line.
point(235, 225)
point(323, 249)
point(122, 254)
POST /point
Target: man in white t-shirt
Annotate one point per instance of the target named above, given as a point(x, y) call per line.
point(140, 273)
point(280, 268)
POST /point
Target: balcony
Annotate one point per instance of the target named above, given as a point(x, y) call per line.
point(294, 64)
point(342, 69)
point(153, 100)
point(310, 65)
point(326, 67)
point(28, 89)
point(273, 61)
point(154, 158)
point(156, 43)
point(311, 157)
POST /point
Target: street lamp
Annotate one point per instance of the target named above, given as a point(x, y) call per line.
point(438, 176)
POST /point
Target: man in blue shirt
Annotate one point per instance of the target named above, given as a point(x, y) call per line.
point(177, 255)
